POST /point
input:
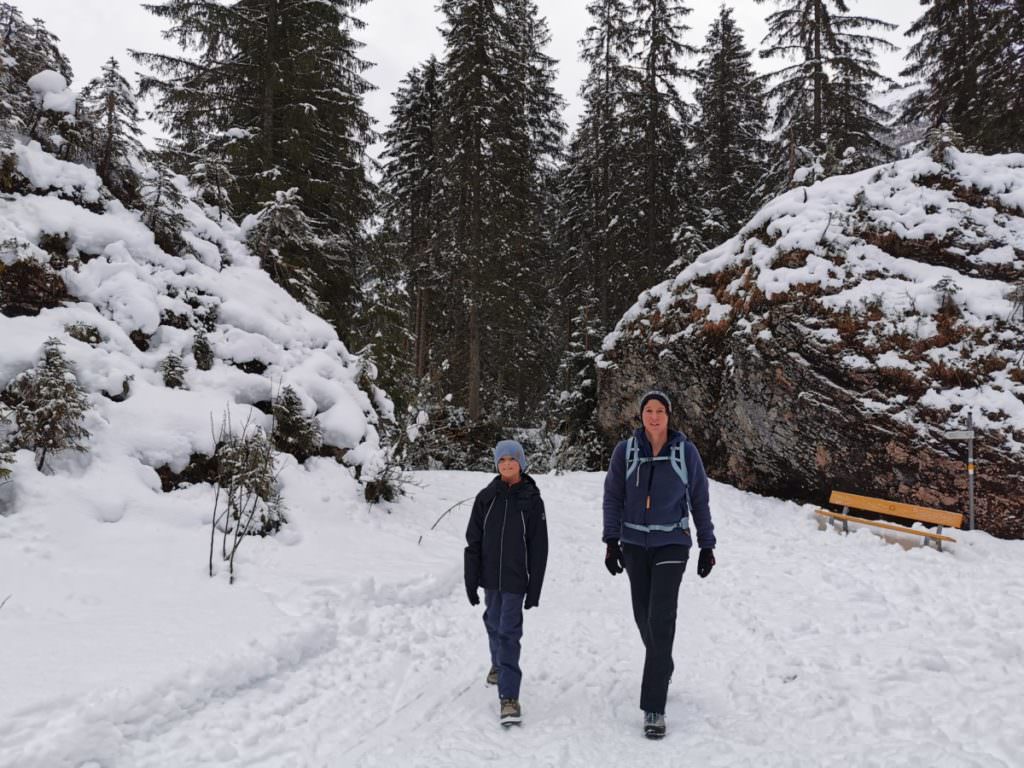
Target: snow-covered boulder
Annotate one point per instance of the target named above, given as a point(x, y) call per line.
point(847, 326)
point(122, 305)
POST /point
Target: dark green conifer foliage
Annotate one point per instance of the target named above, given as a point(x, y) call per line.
point(162, 202)
point(201, 350)
point(969, 60)
point(271, 92)
point(596, 238)
point(657, 124)
point(108, 107)
point(822, 100)
point(285, 241)
point(294, 431)
point(50, 406)
point(172, 369)
point(413, 199)
point(28, 48)
point(729, 131)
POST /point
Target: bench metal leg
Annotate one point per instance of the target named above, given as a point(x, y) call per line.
point(846, 526)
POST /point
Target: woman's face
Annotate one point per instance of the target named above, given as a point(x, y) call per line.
point(509, 470)
point(655, 417)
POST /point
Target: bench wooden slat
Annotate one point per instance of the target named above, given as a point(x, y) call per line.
point(880, 524)
point(896, 509)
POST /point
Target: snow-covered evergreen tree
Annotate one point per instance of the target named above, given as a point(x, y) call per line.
point(822, 104)
point(657, 124)
point(968, 60)
point(284, 239)
point(161, 202)
point(294, 431)
point(573, 403)
point(201, 350)
point(412, 201)
point(729, 132)
point(172, 370)
point(108, 106)
point(596, 238)
point(29, 50)
point(50, 406)
point(283, 82)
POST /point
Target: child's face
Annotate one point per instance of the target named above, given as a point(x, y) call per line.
point(508, 468)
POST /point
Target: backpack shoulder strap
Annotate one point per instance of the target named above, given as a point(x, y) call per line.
point(632, 456)
point(678, 460)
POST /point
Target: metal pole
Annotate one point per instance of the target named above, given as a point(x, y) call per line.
point(970, 469)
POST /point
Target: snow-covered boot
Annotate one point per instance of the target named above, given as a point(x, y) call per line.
point(511, 712)
point(492, 676)
point(654, 725)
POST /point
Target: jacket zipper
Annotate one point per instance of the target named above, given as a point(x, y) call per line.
point(501, 544)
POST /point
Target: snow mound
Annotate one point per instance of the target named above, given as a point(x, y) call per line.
point(124, 304)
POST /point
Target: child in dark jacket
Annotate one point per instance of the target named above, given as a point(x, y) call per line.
point(506, 554)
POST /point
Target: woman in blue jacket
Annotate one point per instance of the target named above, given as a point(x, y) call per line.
point(506, 554)
point(655, 487)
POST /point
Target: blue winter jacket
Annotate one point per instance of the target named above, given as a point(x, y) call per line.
point(626, 500)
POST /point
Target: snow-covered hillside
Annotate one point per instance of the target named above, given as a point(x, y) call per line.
point(349, 644)
point(122, 304)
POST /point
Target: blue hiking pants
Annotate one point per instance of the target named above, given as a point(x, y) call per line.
point(654, 577)
point(504, 621)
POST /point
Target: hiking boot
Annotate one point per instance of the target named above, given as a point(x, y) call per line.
point(511, 712)
point(654, 725)
point(492, 676)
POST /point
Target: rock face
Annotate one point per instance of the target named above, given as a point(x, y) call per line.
point(832, 341)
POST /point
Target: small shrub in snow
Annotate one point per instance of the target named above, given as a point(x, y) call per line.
point(294, 431)
point(248, 499)
point(201, 350)
point(5, 455)
point(50, 406)
point(173, 371)
point(83, 332)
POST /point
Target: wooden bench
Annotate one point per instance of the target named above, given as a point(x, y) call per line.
point(937, 517)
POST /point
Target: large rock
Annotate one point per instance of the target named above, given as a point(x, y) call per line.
point(832, 342)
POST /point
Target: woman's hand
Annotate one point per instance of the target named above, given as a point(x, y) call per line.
point(613, 558)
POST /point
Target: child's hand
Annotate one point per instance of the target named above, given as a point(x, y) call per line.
point(473, 595)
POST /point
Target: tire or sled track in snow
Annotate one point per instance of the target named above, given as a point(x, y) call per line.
point(110, 721)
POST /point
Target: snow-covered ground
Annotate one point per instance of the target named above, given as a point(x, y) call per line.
point(345, 642)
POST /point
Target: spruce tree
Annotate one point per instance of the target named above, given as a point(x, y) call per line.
point(201, 350)
point(412, 199)
point(162, 202)
point(172, 370)
point(657, 123)
point(592, 231)
point(294, 431)
point(968, 61)
point(108, 106)
point(50, 406)
point(729, 131)
point(279, 84)
point(284, 239)
point(29, 48)
point(822, 100)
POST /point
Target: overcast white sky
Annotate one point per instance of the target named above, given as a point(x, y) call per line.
point(401, 33)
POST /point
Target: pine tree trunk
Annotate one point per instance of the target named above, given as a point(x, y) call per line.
point(269, 66)
point(422, 340)
point(818, 74)
point(473, 367)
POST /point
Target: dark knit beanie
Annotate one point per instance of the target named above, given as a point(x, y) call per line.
point(661, 397)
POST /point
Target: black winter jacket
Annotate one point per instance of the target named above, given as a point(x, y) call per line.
point(507, 539)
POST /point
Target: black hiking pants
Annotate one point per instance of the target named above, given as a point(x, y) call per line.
point(654, 578)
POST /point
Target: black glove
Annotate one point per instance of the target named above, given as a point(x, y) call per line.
point(531, 602)
point(474, 597)
point(613, 558)
point(706, 562)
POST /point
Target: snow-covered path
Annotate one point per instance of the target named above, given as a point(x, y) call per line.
point(803, 648)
